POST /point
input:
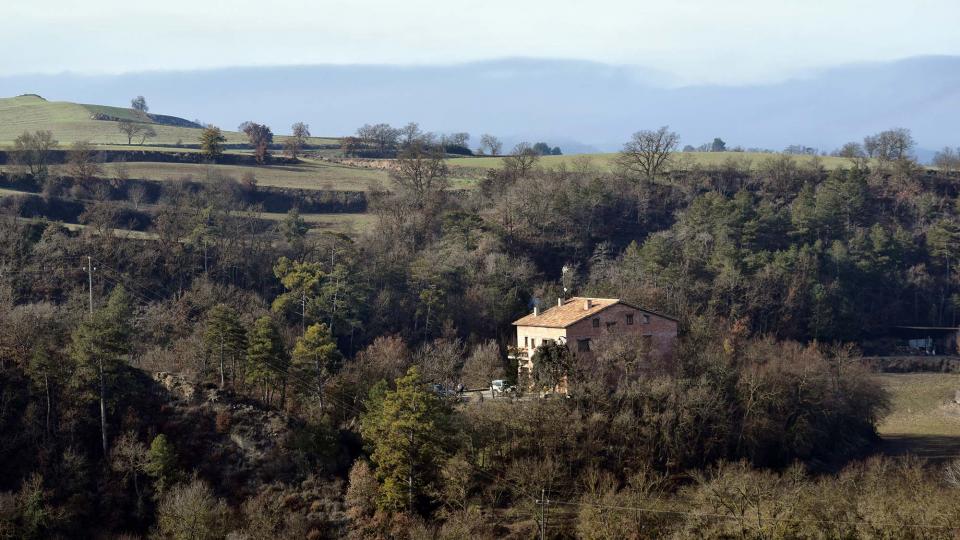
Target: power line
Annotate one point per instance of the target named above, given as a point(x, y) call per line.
point(121, 279)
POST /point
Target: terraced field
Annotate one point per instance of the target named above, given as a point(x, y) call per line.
point(307, 175)
point(345, 223)
point(684, 160)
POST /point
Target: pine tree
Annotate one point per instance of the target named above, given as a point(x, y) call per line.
point(99, 346)
point(225, 337)
point(406, 429)
point(266, 359)
point(303, 282)
point(294, 229)
point(316, 358)
point(162, 463)
point(316, 294)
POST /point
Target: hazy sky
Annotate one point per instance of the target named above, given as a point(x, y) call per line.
point(695, 40)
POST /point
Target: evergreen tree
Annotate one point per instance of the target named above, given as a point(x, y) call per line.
point(225, 337)
point(803, 214)
point(99, 346)
point(316, 294)
point(294, 229)
point(267, 360)
point(341, 297)
point(316, 358)
point(406, 429)
point(552, 364)
point(303, 282)
point(162, 463)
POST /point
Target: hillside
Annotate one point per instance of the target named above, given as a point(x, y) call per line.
point(71, 122)
point(596, 104)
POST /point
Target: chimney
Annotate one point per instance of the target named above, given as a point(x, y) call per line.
point(587, 304)
point(559, 302)
point(536, 310)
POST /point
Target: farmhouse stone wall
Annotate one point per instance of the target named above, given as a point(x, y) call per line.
point(613, 320)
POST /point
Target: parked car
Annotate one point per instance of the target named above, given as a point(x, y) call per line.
point(500, 386)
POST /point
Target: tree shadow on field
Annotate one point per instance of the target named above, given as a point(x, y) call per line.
point(934, 448)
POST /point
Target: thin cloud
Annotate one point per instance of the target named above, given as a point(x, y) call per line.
point(694, 40)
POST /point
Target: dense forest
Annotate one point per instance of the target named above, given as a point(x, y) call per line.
point(220, 380)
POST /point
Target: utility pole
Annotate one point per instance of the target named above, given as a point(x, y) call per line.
point(544, 502)
point(103, 384)
point(303, 313)
point(90, 281)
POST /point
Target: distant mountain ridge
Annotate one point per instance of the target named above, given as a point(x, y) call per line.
point(578, 105)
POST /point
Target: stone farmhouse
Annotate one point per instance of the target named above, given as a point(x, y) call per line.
point(582, 322)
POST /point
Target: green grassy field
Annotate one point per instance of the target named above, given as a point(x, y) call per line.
point(345, 223)
point(684, 159)
point(71, 122)
point(307, 175)
point(923, 419)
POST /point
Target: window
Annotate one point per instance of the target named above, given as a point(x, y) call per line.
point(583, 345)
point(646, 319)
point(526, 341)
point(596, 323)
point(629, 318)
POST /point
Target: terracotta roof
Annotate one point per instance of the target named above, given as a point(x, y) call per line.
point(570, 312)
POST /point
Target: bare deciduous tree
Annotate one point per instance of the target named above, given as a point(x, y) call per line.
point(32, 151)
point(851, 150)
point(461, 139)
point(890, 145)
point(136, 194)
point(521, 161)
point(147, 132)
point(136, 129)
point(947, 159)
point(648, 152)
point(410, 133)
point(483, 365)
point(297, 140)
point(854, 152)
point(82, 161)
point(441, 360)
point(490, 144)
point(381, 137)
point(128, 128)
point(260, 137)
point(139, 104)
point(421, 174)
point(192, 511)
